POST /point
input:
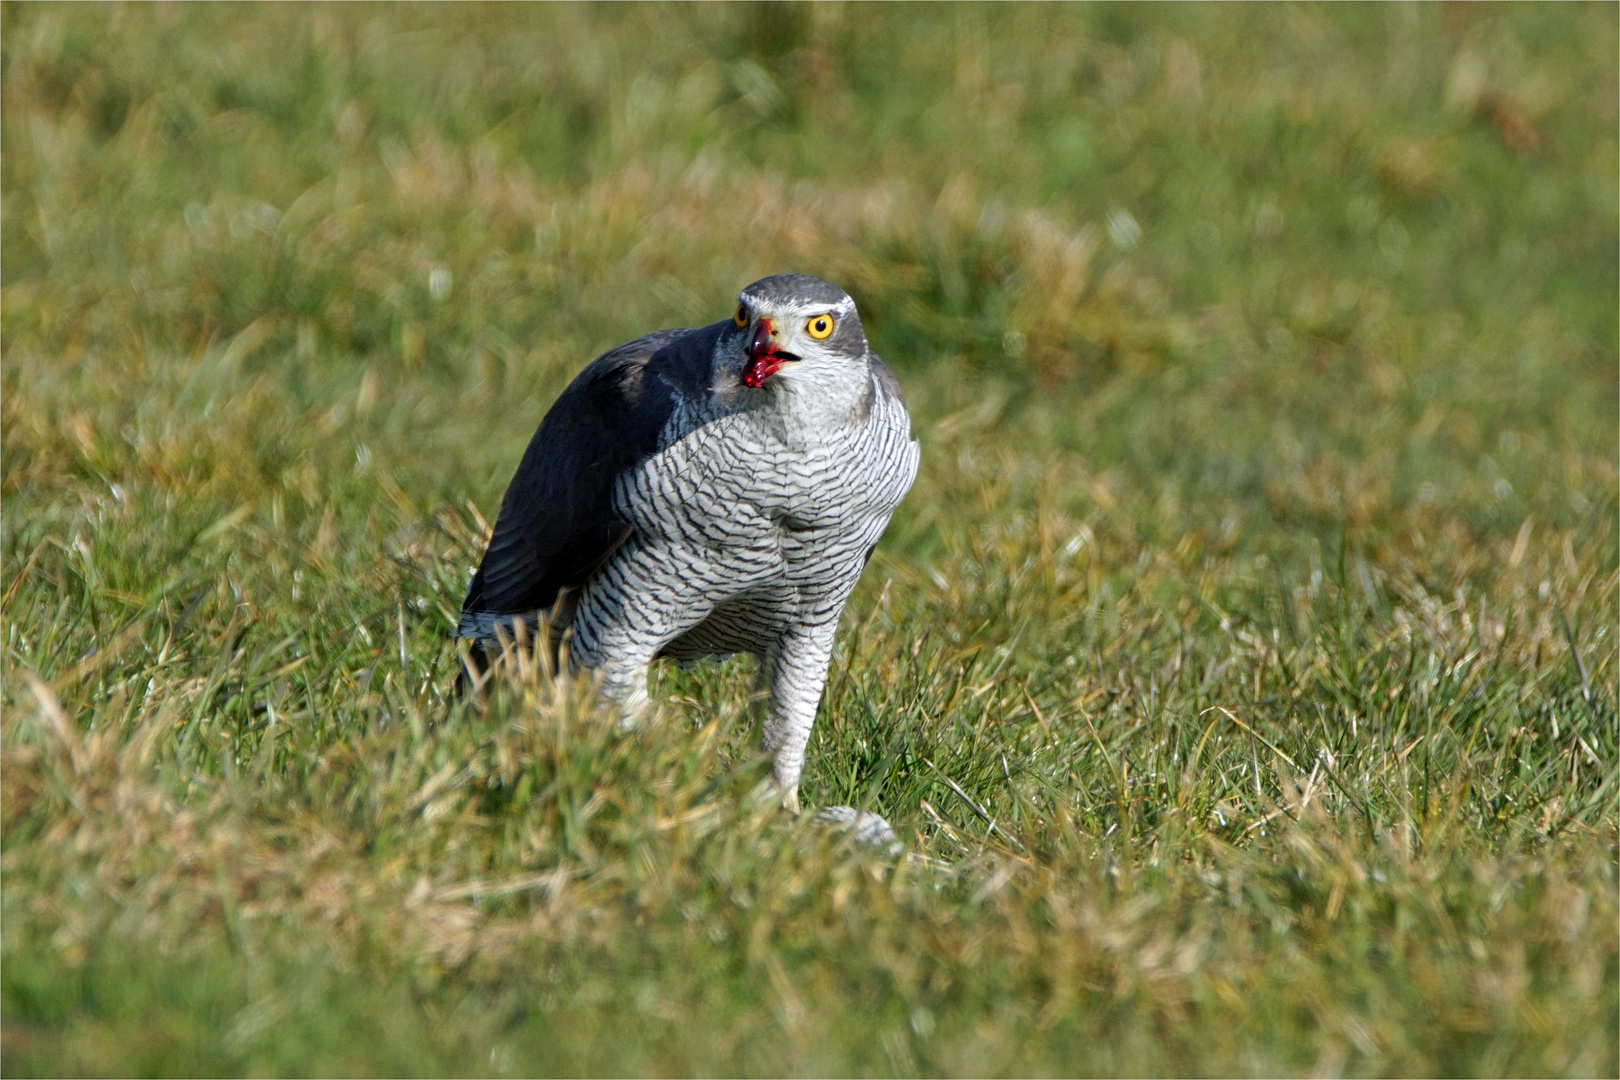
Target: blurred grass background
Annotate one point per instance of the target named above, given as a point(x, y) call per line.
point(1241, 670)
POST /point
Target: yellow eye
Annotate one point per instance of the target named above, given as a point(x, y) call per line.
point(741, 318)
point(820, 327)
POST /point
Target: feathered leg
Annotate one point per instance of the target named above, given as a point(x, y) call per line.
point(798, 670)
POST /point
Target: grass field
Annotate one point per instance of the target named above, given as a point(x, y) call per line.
point(1241, 671)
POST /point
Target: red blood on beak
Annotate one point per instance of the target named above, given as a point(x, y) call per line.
point(762, 342)
point(763, 360)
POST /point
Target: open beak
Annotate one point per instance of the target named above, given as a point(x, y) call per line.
point(764, 358)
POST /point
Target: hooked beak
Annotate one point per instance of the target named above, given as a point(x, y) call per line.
point(764, 358)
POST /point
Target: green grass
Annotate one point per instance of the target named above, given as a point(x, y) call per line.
point(1259, 585)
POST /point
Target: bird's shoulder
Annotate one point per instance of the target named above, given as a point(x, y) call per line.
point(887, 403)
point(613, 411)
point(557, 522)
point(679, 359)
point(884, 381)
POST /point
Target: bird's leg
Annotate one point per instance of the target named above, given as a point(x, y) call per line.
point(622, 621)
point(798, 671)
point(621, 659)
point(624, 686)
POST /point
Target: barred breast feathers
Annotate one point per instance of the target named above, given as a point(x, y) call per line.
point(728, 475)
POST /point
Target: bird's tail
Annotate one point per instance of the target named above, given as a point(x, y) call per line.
point(488, 635)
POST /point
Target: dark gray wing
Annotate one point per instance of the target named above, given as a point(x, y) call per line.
point(557, 523)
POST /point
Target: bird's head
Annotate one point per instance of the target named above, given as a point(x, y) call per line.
point(795, 327)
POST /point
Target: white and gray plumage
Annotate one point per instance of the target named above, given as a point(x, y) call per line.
point(703, 492)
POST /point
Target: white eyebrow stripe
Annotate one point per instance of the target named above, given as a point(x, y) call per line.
point(797, 310)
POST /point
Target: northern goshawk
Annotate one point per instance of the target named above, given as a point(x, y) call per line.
point(697, 493)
